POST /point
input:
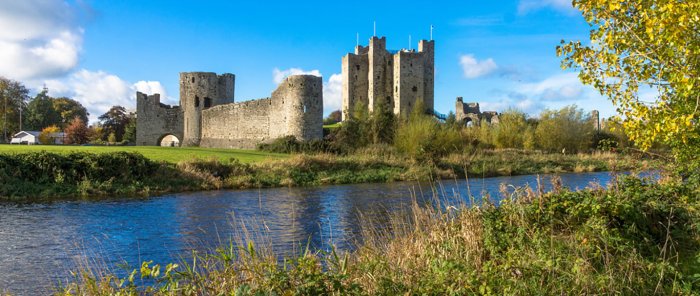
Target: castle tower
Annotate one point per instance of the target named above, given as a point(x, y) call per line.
point(304, 109)
point(374, 75)
point(199, 91)
point(427, 48)
point(380, 74)
point(595, 119)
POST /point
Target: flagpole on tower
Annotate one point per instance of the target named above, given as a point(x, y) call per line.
point(409, 42)
point(357, 40)
point(431, 32)
point(375, 28)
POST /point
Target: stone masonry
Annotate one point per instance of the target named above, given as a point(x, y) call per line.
point(155, 120)
point(396, 79)
point(469, 113)
point(208, 117)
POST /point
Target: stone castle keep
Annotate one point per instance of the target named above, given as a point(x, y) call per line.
point(397, 79)
point(209, 117)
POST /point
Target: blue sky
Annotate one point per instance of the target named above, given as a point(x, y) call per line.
point(501, 54)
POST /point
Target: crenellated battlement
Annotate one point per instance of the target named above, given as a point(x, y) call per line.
point(397, 80)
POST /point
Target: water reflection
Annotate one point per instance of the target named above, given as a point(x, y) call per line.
point(41, 242)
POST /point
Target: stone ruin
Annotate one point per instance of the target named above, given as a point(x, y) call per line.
point(209, 117)
point(470, 114)
point(397, 79)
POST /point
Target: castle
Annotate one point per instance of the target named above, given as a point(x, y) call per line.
point(470, 114)
point(397, 79)
point(209, 117)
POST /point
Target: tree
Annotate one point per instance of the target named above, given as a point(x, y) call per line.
point(567, 128)
point(48, 135)
point(68, 110)
point(335, 117)
point(77, 132)
point(382, 125)
point(114, 121)
point(130, 131)
point(13, 98)
point(644, 45)
point(510, 132)
point(41, 112)
point(111, 138)
point(97, 133)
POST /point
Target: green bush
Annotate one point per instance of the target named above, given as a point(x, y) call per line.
point(67, 172)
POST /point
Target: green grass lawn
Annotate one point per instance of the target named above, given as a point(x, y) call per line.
point(332, 126)
point(169, 154)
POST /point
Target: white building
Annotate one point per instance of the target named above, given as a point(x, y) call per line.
point(26, 137)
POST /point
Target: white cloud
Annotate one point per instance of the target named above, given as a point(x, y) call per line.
point(562, 87)
point(98, 91)
point(553, 92)
point(564, 6)
point(279, 75)
point(154, 87)
point(332, 94)
point(474, 68)
point(38, 39)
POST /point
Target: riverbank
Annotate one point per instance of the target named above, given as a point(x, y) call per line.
point(637, 237)
point(45, 175)
point(155, 153)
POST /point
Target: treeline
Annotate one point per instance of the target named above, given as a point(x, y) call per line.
point(52, 115)
point(422, 136)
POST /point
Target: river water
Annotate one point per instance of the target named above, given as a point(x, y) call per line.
point(41, 242)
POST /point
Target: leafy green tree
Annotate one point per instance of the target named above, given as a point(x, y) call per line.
point(510, 130)
point(68, 110)
point(41, 112)
point(334, 117)
point(645, 45)
point(13, 99)
point(112, 138)
point(451, 120)
point(568, 128)
point(130, 131)
point(114, 121)
point(355, 131)
point(382, 125)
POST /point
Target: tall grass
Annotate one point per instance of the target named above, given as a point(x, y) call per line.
point(635, 238)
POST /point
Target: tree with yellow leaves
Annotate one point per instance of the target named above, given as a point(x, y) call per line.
point(48, 135)
point(645, 46)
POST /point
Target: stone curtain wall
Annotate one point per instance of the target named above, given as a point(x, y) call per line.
point(295, 108)
point(208, 117)
point(237, 125)
point(155, 120)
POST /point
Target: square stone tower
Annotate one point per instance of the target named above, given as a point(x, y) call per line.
point(396, 79)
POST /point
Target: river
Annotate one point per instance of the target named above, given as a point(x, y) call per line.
point(41, 242)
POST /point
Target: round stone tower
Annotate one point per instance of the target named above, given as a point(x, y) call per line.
point(199, 91)
point(304, 112)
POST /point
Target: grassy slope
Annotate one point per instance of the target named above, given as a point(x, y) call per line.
point(168, 154)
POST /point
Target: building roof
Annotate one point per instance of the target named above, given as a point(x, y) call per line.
point(23, 133)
